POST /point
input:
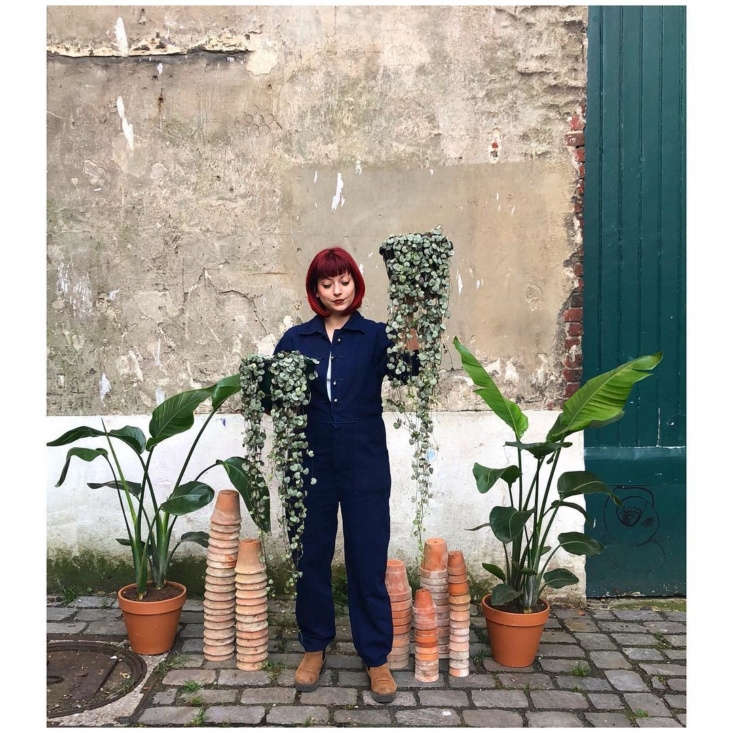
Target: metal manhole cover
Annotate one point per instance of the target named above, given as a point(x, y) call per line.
point(81, 675)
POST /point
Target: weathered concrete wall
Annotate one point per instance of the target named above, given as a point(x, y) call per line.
point(199, 156)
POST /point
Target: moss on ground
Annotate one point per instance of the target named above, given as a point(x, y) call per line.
point(652, 604)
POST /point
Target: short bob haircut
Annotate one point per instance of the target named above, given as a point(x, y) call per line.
point(331, 262)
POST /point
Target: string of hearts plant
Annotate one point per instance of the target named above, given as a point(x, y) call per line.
point(418, 268)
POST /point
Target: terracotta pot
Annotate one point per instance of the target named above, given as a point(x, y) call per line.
point(226, 508)
point(514, 637)
point(221, 572)
point(152, 625)
point(458, 589)
point(435, 554)
point(423, 600)
point(248, 560)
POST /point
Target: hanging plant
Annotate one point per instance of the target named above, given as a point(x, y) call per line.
point(290, 374)
point(418, 268)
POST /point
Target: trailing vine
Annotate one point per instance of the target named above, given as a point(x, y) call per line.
point(418, 268)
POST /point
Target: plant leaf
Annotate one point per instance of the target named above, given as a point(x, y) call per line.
point(187, 498)
point(175, 415)
point(134, 437)
point(487, 477)
point(133, 487)
point(480, 526)
point(494, 570)
point(200, 538)
point(539, 450)
point(571, 505)
point(545, 550)
point(238, 473)
point(124, 541)
point(578, 543)
point(506, 522)
point(600, 401)
point(505, 409)
point(574, 483)
point(86, 454)
point(83, 431)
point(224, 389)
point(501, 594)
point(559, 578)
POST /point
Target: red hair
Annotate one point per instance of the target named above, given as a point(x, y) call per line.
point(331, 262)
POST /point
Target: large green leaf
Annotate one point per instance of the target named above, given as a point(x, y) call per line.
point(494, 570)
point(559, 578)
point(86, 454)
point(70, 436)
point(501, 594)
point(487, 477)
point(188, 498)
point(601, 400)
point(239, 474)
point(506, 522)
point(538, 450)
point(132, 486)
point(175, 415)
point(224, 389)
point(578, 543)
point(478, 526)
point(574, 483)
point(505, 409)
point(200, 538)
point(570, 505)
point(134, 437)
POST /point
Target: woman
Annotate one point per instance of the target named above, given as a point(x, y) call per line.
point(350, 462)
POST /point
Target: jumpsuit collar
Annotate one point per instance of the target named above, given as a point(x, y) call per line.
point(317, 325)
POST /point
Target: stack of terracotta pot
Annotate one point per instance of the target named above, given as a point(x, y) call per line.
point(459, 600)
point(219, 584)
point(426, 638)
point(400, 598)
point(251, 613)
point(434, 577)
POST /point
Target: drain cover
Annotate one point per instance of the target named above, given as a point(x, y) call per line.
point(81, 675)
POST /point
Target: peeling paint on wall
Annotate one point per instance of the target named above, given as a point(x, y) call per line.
point(104, 387)
point(338, 198)
point(121, 37)
point(127, 128)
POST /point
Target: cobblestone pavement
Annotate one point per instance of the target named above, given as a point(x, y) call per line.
point(597, 667)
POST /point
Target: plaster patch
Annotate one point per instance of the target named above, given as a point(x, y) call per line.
point(358, 168)
point(104, 387)
point(95, 173)
point(113, 294)
point(157, 171)
point(361, 268)
point(315, 176)
point(159, 395)
point(494, 367)
point(510, 373)
point(478, 284)
point(287, 322)
point(121, 37)
point(127, 128)
point(135, 365)
point(263, 60)
point(156, 354)
point(338, 196)
point(159, 69)
point(266, 345)
point(460, 283)
point(81, 296)
point(62, 279)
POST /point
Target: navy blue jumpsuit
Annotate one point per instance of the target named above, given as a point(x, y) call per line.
point(351, 465)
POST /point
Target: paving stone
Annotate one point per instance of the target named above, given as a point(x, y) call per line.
point(536, 681)
point(448, 698)
point(558, 637)
point(658, 684)
point(642, 653)
point(166, 697)
point(288, 660)
point(97, 614)
point(286, 678)
point(349, 678)
point(635, 639)
point(342, 661)
point(268, 695)
point(582, 683)
point(406, 678)
point(610, 660)
point(675, 653)
point(209, 697)
point(595, 641)
point(552, 623)
point(329, 696)
point(676, 701)
point(607, 720)
point(491, 666)
point(622, 627)
point(492, 719)
point(582, 623)
point(193, 604)
point(192, 617)
point(482, 681)
point(187, 660)
point(65, 627)
point(559, 700)
point(665, 627)
point(676, 615)
point(168, 715)
point(673, 639)
point(648, 702)
point(343, 632)
point(230, 663)
point(499, 699)
point(193, 645)
point(667, 670)
point(107, 628)
point(60, 614)
point(297, 715)
point(567, 612)
point(657, 723)
point(363, 717)
point(682, 717)
point(93, 602)
point(606, 702)
point(345, 647)
point(286, 645)
point(638, 615)
point(427, 717)
point(678, 684)
point(560, 650)
point(192, 631)
point(181, 676)
point(403, 698)
point(242, 714)
point(553, 719)
point(561, 665)
point(625, 680)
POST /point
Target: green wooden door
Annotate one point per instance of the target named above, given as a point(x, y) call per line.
point(634, 280)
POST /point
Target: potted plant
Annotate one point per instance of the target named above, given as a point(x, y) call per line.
point(151, 605)
point(514, 610)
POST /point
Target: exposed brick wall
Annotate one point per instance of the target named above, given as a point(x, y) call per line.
point(572, 315)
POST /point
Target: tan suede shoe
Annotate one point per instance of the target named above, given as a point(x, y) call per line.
point(384, 687)
point(309, 670)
